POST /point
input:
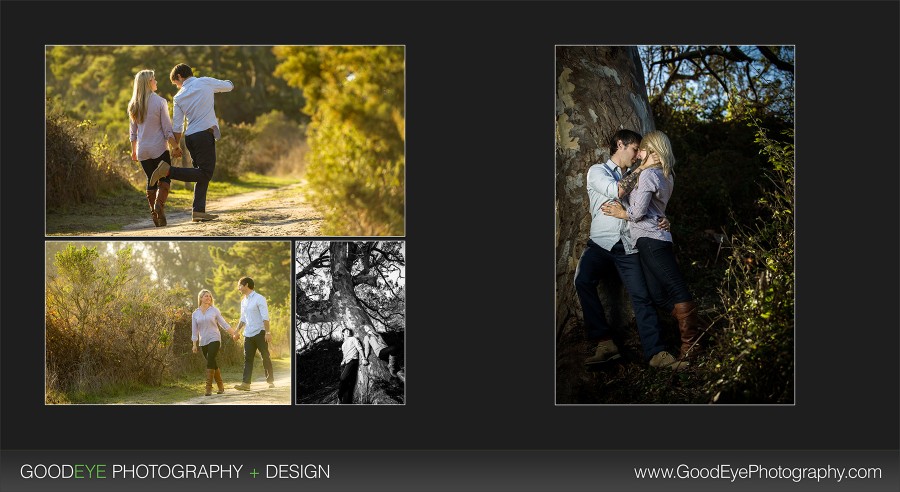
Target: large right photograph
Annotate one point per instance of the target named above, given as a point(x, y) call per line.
point(675, 225)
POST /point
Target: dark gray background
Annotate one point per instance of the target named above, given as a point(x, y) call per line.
point(480, 205)
point(459, 470)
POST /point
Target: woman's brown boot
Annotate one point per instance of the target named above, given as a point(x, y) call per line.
point(159, 212)
point(209, 380)
point(689, 326)
point(219, 383)
point(151, 199)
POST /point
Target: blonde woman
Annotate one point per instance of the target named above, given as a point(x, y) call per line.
point(149, 130)
point(645, 206)
point(205, 323)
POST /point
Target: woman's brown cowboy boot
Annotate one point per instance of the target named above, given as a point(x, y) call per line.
point(159, 212)
point(209, 380)
point(689, 326)
point(218, 375)
point(151, 199)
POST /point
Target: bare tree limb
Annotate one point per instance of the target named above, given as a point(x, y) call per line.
point(778, 62)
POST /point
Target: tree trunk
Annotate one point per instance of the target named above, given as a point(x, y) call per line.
point(599, 91)
point(372, 380)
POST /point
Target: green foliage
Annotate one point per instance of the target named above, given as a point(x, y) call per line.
point(79, 165)
point(231, 150)
point(355, 98)
point(104, 326)
point(724, 83)
point(272, 143)
point(96, 82)
point(756, 353)
point(268, 264)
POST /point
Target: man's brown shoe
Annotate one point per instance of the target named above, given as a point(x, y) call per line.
point(242, 387)
point(160, 172)
point(202, 216)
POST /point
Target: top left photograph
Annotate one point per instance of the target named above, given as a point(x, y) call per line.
point(207, 141)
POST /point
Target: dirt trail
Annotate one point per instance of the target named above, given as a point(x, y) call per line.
point(259, 394)
point(277, 212)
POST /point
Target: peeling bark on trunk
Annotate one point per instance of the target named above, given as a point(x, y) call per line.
point(599, 91)
point(346, 310)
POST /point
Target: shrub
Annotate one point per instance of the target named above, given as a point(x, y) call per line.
point(231, 150)
point(105, 327)
point(756, 352)
point(79, 163)
point(276, 142)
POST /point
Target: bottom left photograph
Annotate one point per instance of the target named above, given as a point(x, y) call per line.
point(168, 322)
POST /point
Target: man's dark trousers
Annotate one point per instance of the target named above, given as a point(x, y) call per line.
point(251, 345)
point(348, 381)
point(202, 146)
point(594, 265)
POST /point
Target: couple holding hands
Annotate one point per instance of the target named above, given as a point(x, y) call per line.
point(151, 131)
point(206, 321)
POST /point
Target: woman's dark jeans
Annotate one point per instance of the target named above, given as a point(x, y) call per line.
point(664, 280)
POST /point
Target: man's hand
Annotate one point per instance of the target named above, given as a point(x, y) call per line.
point(134, 155)
point(268, 337)
point(194, 349)
point(614, 209)
point(176, 152)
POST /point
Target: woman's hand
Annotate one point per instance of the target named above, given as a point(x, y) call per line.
point(176, 152)
point(614, 209)
point(664, 224)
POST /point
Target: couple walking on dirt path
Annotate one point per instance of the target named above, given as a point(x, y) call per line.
point(206, 321)
point(151, 130)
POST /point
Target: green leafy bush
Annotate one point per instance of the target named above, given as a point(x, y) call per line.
point(755, 356)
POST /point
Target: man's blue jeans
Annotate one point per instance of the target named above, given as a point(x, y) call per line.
point(596, 264)
point(664, 280)
point(202, 146)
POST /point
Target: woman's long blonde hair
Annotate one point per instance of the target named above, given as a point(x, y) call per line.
point(200, 296)
point(140, 96)
point(657, 142)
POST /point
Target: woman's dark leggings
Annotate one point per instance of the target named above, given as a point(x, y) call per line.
point(209, 351)
point(664, 280)
point(150, 165)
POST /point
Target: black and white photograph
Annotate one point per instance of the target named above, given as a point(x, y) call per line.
point(350, 322)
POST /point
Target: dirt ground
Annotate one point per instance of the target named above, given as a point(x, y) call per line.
point(280, 212)
point(259, 394)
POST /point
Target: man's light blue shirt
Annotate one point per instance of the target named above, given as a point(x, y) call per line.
point(195, 101)
point(254, 311)
point(602, 186)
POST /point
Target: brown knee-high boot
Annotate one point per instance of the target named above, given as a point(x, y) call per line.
point(209, 380)
point(689, 326)
point(159, 212)
point(218, 375)
point(151, 199)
